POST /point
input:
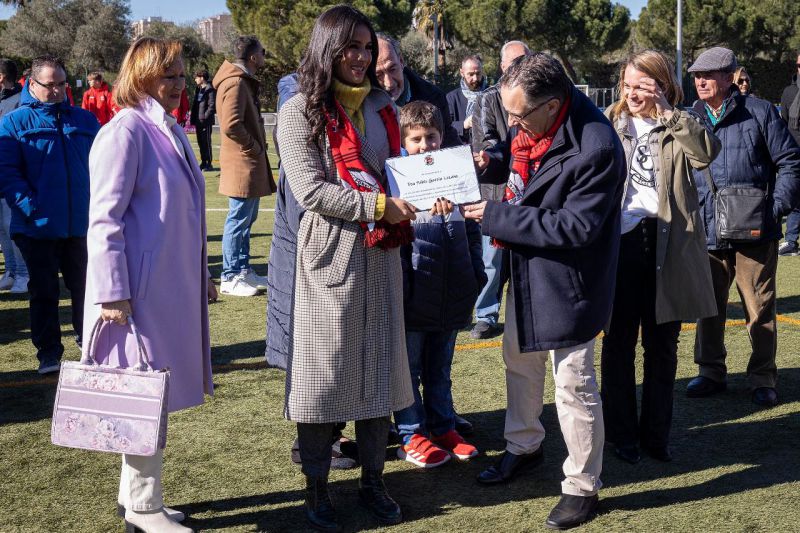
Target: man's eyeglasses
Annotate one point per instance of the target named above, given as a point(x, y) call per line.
point(53, 86)
point(520, 118)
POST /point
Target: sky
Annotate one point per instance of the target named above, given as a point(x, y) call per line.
point(178, 12)
point(175, 11)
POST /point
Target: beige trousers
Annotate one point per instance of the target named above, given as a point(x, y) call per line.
point(140, 482)
point(580, 412)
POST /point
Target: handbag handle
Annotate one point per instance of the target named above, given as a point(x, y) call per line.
point(144, 359)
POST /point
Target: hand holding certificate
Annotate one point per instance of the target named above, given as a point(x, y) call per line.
point(422, 179)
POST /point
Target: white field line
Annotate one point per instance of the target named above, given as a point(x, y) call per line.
point(225, 210)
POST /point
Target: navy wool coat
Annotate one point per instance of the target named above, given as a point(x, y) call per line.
point(563, 237)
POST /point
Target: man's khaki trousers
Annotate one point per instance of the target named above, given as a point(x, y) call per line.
point(580, 412)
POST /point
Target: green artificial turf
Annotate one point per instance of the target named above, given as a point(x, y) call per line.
point(227, 465)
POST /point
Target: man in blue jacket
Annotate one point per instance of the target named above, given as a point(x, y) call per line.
point(44, 177)
point(560, 223)
point(759, 153)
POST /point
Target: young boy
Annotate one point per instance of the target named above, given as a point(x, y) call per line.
point(442, 276)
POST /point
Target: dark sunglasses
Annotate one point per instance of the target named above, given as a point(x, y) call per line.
point(742, 80)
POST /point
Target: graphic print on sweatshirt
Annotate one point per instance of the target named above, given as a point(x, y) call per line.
point(641, 198)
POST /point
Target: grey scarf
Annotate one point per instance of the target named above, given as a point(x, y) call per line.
point(471, 95)
point(794, 109)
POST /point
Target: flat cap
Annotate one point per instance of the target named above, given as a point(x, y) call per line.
point(713, 59)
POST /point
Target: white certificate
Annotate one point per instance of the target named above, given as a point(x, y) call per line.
point(422, 178)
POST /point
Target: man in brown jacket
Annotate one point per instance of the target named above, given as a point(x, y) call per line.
point(245, 175)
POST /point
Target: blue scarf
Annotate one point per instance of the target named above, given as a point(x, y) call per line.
point(710, 112)
point(471, 95)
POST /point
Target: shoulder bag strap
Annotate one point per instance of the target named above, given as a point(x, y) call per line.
point(710, 181)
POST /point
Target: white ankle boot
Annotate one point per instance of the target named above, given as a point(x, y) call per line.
point(152, 522)
point(174, 514)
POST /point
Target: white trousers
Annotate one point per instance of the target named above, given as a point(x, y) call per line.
point(140, 482)
point(578, 404)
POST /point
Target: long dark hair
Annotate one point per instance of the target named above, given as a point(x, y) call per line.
point(332, 32)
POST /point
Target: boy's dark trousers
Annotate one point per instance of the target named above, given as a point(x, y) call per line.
point(203, 132)
point(45, 257)
point(635, 305)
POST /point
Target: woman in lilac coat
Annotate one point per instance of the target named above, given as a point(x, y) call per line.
point(147, 254)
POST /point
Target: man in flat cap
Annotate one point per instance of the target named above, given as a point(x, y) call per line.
point(753, 182)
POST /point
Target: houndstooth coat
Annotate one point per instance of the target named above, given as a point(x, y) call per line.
point(348, 356)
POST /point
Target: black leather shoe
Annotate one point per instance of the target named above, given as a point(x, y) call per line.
point(628, 453)
point(659, 453)
point(571, 511)
point(765, 397)
point(509, 466)
point(319, 509)
point(394, 438)
point(701, 387)
point(463, 427)
point(372, 495)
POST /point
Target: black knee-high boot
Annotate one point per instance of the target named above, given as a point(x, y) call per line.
point(319, 507)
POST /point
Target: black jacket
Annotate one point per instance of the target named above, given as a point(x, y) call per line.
point(489, 126)
point(9, 99)
point(564, 236)
point(786, 102)
point(457, 105)
point(203, 106)
point(757, 151)
point(428, 92)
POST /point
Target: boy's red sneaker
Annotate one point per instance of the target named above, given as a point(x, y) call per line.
point(423, 453)
point(455, 444)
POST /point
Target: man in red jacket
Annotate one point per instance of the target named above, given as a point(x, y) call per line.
point(97, 98)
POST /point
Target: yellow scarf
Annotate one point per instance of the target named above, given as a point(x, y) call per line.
point(351, 99)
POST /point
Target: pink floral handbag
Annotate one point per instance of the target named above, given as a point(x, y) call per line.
point(107, 409)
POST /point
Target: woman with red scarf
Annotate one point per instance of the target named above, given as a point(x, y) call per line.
point(347, 356)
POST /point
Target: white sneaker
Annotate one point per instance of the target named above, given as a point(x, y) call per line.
point(238, 286)
point(788, 248)
point(20, 285)
point(259, 282)
point(7, 281)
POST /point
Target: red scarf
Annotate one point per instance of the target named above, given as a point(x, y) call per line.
point(526, 152)
point(346, 148)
